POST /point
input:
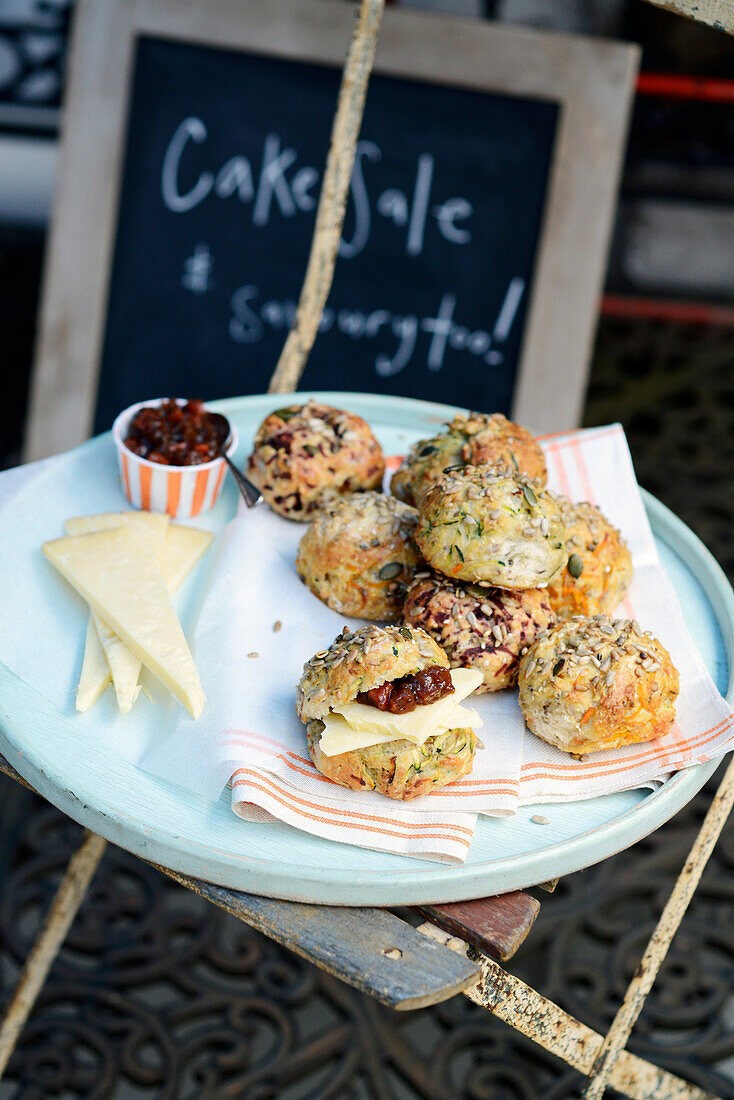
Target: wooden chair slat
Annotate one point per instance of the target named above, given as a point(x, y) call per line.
point(496, 926)
point(7, 769)
point(371, 949)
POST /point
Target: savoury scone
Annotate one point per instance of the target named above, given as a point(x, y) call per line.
point(492, 526)
point(591, 684)
point(307, 454)
point(598, 571)
point(358, 555)
point(483, 628)
point(383, 712)
point(474, 439)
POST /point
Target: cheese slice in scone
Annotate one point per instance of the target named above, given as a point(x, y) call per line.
point(121, 581)
point(338, 736)
point(417, 724)
point(360, 726)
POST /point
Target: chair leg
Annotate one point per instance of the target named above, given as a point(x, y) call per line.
point(65, 906)
point(534, 1016)
point(662, 937)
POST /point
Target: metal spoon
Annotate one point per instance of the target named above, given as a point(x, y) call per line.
point(249, 492)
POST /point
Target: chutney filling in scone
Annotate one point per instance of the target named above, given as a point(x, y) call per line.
point(384, 712)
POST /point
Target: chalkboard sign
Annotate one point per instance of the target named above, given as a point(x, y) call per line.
point(217, 211)
point(476, 226)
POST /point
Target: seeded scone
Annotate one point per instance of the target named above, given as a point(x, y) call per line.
point(305, 455)
point(492, 526)
point(483, 628)
point(474, 439)
point(359, 557)
point(383, 712)
point(598, 571)
point(592, 684)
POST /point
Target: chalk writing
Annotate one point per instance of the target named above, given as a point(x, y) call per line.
point(277, 186)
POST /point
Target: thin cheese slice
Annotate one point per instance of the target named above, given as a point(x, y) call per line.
point(124, 585)
point(151, 529)
point(177, 549)
point(339, 737)
point(106, 521)
point(95, 674)
point(419, 723)
point(182, 549)
point(123, 665)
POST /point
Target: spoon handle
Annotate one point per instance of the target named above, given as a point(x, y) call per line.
point(249, 492)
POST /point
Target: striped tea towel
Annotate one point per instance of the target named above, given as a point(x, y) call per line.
point(249, 730)
point(595, 466)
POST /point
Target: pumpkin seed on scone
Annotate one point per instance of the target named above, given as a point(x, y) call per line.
point(492, 526)
point(305, 455)
point(595, 683)
point(359, 667)
point(471, 439)
point(358, 555)
point(598, 571)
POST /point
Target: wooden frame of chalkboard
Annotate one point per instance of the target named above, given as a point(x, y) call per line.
point(591, 80)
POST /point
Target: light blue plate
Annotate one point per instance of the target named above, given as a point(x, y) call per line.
point(74, 765)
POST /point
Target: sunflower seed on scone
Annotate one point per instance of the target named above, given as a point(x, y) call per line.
point(471, 439)
point(482, 628)
point(359, 557)
point(306, 454)
point(492, 526)
point(589, 684)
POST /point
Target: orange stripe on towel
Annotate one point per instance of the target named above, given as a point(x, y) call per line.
point(287, 798)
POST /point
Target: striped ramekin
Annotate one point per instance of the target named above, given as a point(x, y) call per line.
point(182, 491)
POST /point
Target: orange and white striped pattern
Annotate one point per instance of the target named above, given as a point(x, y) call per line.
point(181, 491)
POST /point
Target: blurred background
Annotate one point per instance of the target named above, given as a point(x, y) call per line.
point(158, 995)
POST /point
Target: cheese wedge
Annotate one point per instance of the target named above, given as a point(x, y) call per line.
point(124, 666)
point(182, 548)
point(339, 737)
point(177, 550)
point(151, 529)
point(95, 674)
point(176, 555)
point(419, 723)
point(105, 521)
point(121, 581)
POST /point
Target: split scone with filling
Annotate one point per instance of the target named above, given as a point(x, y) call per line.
point(359, 557)
point(492, 526)
point(305, 455)
point(474, 439)
point(591, 684)
point(384, 712)
point(598, 571)
point(482, 628)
